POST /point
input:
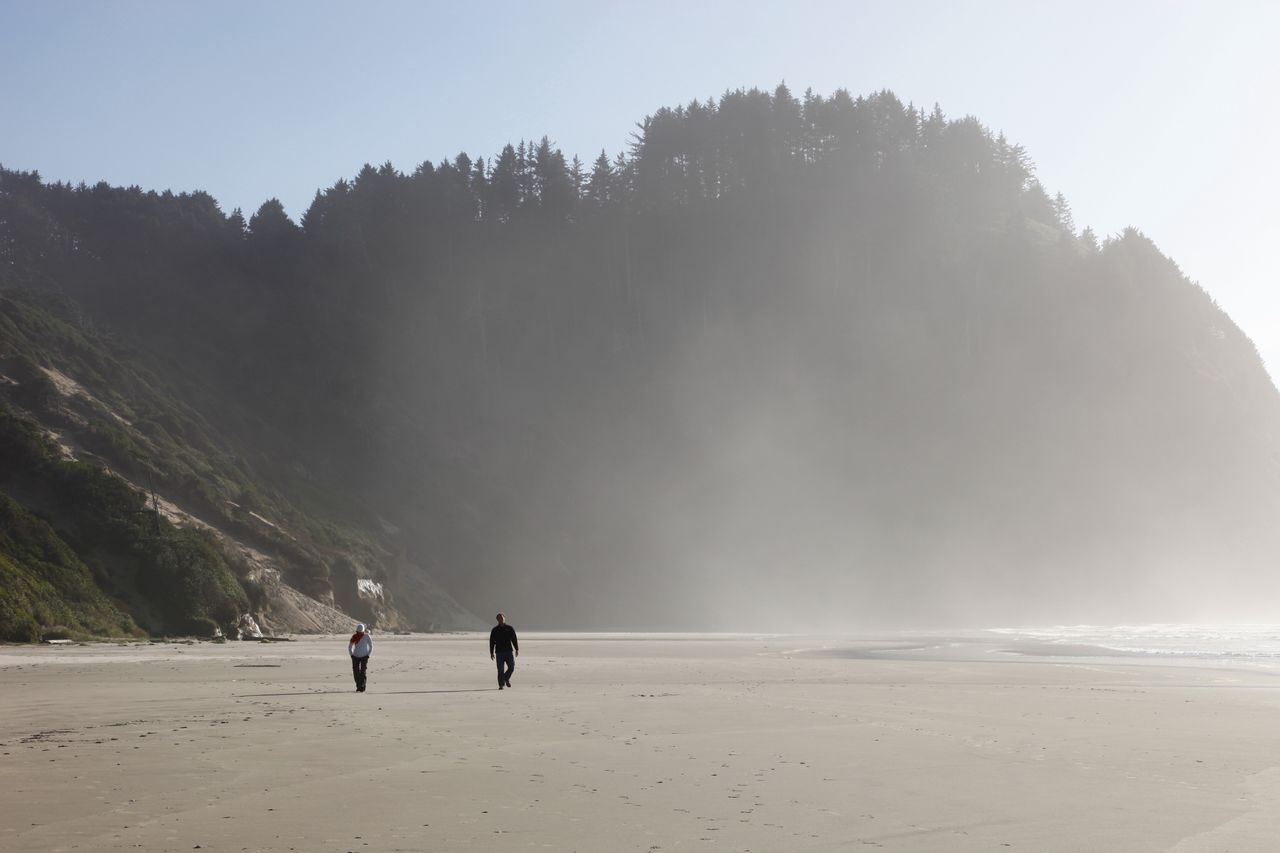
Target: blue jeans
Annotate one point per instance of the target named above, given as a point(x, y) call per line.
point(509, 659)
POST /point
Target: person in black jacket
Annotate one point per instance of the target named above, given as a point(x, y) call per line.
point(504, 648)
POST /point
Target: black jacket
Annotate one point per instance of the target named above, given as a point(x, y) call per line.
point(503, 639)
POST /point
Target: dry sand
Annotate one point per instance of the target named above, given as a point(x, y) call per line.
point(631, 743)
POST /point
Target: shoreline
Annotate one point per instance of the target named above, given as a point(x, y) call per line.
point(975, 646)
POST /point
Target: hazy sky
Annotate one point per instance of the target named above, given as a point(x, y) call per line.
point(1156, 114)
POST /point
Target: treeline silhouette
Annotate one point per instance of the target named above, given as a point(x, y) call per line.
point(778, 350)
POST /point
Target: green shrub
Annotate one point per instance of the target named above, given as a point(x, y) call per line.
point(42, 583)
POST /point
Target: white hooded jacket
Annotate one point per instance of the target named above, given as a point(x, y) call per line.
point(361, 645)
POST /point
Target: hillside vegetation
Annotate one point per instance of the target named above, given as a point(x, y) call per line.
point(782, 352)
point(173, 581)
point(87, 552)
point(44, 587)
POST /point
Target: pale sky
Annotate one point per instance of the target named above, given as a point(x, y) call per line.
point(1159, 115)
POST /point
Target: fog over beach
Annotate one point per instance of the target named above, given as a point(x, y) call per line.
point(841, 425)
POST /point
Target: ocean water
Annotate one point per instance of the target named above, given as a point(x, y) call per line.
point(1254, 643)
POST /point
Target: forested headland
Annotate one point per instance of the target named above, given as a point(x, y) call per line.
point(783, 362)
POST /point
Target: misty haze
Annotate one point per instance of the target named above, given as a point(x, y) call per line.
point(818, 467)
point(781, 352)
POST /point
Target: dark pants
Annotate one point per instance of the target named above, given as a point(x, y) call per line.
point(359, 667)
point(509, 659)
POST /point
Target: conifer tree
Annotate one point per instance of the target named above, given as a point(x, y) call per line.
point(504, 185)
point(600, 184)
point(1062, 210)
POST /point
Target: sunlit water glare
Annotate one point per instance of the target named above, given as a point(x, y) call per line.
point(1260, 643)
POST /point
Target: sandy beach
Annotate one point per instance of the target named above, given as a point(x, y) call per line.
point(633, 742)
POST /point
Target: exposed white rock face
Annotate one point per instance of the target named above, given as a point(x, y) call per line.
point(369, 589)
point(247, 628)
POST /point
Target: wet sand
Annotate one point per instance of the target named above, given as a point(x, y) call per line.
point(633, 743)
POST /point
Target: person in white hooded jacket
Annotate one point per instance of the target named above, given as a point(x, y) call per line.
point(360, 647)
